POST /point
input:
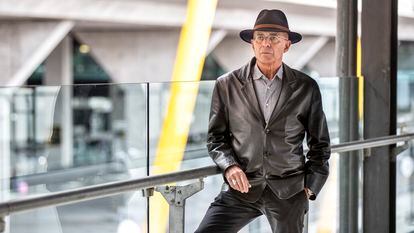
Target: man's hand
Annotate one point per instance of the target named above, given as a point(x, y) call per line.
point(308, 192)
point(237, 179)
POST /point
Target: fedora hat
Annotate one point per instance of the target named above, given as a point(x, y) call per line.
point(271, 20)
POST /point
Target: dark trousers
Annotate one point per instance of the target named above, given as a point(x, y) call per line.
point(229, 214)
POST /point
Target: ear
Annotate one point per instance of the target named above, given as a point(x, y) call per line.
point(287, 46)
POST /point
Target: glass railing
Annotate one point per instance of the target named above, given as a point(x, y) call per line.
point(72, 136)
point(405, 160)
point(59, 138)
point(405, 191)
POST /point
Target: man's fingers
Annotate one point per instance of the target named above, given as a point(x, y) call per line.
point(232, 181)
point(234, 184)
point(239, 184)
point(247, 184)
point(243, 184)
point(237, 179)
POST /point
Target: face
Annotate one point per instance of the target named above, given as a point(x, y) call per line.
point(269, 47)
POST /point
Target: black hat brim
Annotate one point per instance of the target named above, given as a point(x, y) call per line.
point(247, 35)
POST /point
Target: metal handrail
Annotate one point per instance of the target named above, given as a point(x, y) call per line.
point(118, 187)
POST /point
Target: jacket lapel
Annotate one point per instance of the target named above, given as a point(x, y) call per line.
point(288, 82)
point(249, 91)
point(250, 94)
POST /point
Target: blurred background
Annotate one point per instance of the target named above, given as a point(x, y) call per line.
point(95, 91)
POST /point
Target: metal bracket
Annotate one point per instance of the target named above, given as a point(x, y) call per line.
point(367, 152)
point(2, 224)
point(394, 151)
point(148, 192)
point(176, 196)
point(398, 150)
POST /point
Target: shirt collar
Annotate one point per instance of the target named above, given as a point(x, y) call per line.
point(257, 74)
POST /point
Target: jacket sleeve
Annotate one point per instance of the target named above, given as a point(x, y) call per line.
point(218, 138)
point(317, 137)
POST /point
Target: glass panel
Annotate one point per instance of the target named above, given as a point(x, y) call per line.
point(124, 213)
point(405, 191)
point(405, 101)
point(182, 138)
point(324, 211)
point(405, 120)
point(60, 137)
point(182, 110)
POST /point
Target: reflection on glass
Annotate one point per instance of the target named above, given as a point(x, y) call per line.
point(62, 137)
point(124, 213)
point(196, 121)
point(405, 120)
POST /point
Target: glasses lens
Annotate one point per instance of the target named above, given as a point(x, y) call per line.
point(272, 38)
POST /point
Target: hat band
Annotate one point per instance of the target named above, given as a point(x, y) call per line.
point(259, 26)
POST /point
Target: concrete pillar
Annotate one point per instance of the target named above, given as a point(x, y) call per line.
point(294, 56)
point(25, 45)
point(307, 53)
point(232, 52)
point(324, 62)
point(134, 57)
point(59, 71)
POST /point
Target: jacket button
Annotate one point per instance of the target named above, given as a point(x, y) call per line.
point(267, 131)
point(267, 176)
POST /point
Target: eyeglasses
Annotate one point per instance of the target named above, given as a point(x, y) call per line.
point(274, 39)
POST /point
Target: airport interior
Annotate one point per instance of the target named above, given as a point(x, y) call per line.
point(104, 106)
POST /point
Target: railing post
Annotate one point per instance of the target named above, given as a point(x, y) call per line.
point(2, 224)
point(176, 196)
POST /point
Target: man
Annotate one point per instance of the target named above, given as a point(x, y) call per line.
point(259, 117)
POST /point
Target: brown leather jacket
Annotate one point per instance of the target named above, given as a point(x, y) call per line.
point(270, 154)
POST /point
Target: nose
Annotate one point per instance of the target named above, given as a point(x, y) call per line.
point(266, 42)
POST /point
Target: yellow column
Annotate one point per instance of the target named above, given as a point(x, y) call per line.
point(360, 80)
point(187, 71)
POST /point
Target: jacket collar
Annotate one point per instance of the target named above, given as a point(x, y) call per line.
point(257, 73)
point(246, 72)
point(288, 86)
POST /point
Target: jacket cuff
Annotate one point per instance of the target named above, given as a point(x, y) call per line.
point(315, 182)
point(225, 162)
point(311, 194)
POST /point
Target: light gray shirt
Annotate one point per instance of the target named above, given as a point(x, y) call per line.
point(267, 91)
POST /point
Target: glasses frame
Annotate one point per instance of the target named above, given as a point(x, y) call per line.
point(273, 38)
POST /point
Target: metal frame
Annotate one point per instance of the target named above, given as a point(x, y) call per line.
point(346, 66)
point(113, 188)
point(379, 42)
